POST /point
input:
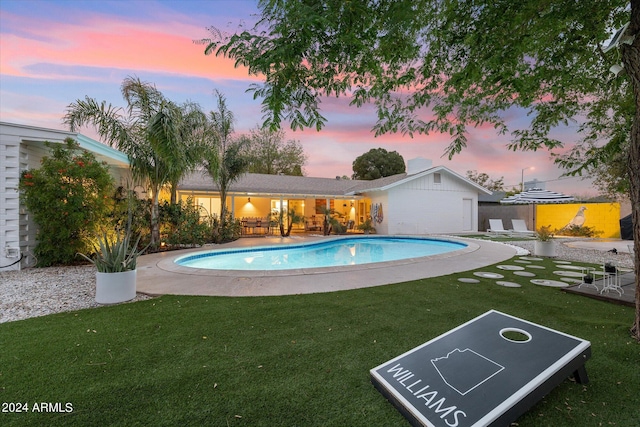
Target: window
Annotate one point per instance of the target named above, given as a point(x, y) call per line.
point(437, 178)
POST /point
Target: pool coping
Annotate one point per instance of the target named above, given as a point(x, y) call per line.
point(159, 275)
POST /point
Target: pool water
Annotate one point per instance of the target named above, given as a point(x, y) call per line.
point(333, 253)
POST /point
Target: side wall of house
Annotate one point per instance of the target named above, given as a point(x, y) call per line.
point(21, 148)
point(426, 206)
point(10, 165)
point(380, 198)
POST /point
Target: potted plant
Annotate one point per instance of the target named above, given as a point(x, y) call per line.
point(285, 221)
point(588, 278)
point(116, 260)
point(366, 226)
point(609, 267)
point(331, 222)
point(544, 244)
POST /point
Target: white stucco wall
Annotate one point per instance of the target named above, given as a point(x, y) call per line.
point(381, 198)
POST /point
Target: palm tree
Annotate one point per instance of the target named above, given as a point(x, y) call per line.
point(178, 134)
point(224, 159)
point(287, 218)
point(154, 133)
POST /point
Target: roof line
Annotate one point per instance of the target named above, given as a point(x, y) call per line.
point(100, 148)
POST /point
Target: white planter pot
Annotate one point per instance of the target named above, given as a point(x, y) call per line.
point(547, 249)
point(112, 288)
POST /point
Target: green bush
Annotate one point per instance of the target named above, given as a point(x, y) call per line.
point(70, 198)
point(230, 231)
point(180, 224)
point(133, 214)
point(578, 231)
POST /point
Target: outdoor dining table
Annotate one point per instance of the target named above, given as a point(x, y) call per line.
point(611, 281)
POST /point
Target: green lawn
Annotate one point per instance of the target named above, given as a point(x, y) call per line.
point(292, 360)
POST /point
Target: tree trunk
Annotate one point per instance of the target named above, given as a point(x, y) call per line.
point(634, 178)
point(631, 60)
point(155, 227)
point(223, 206)
point(174, 193)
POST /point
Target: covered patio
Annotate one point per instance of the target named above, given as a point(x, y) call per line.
point(257, 200)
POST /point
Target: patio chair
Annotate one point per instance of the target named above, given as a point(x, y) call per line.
point(496, 227)
point(520, 227)
point(251, 225)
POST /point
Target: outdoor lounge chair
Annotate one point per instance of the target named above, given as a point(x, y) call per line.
point(496, 226)
point(520, 227)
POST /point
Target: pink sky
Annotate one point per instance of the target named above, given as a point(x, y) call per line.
point(54, 52)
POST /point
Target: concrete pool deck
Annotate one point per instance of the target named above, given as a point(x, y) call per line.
point(159, 275)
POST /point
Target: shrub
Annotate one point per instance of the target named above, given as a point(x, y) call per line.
point(69, 197)
point(131, 213)
point(180, 224)
point(545, 233)
point(231, 231)
point(579, 231)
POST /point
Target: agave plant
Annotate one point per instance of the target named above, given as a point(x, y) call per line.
point(115, 255)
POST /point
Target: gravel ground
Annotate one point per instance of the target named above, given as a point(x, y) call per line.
point(593, 256)
point(36, 292)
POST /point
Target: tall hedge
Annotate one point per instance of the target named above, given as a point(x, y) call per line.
point(70, 198)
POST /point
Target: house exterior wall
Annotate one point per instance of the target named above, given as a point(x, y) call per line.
point(21, 148)
point(10, 166)
point(382, 198)
point(422, 206)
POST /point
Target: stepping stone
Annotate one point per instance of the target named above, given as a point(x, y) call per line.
point(571, 267)
point(530, 258)
point(524, 274)
point(562, 262)
point(550, 283)
point(571, 280)
point(468, 280)
point(487, 275)
point(510, 267)
point(539, 267)
point(568, 273)
point(508, 284)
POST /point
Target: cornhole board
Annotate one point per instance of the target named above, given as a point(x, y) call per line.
point(486, 372)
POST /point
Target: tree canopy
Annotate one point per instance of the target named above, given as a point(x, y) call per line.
point(436, 65)
point(224, 159)
point(445, 66)
point(486, 181)
point(269, 153)
point(157, 135)
point(377, 163)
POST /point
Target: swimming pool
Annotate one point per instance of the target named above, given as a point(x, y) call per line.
point(330, 253)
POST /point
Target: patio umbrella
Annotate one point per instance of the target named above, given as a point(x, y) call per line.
point(537, 196)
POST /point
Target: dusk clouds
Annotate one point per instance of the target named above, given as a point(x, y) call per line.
point(54, 52)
